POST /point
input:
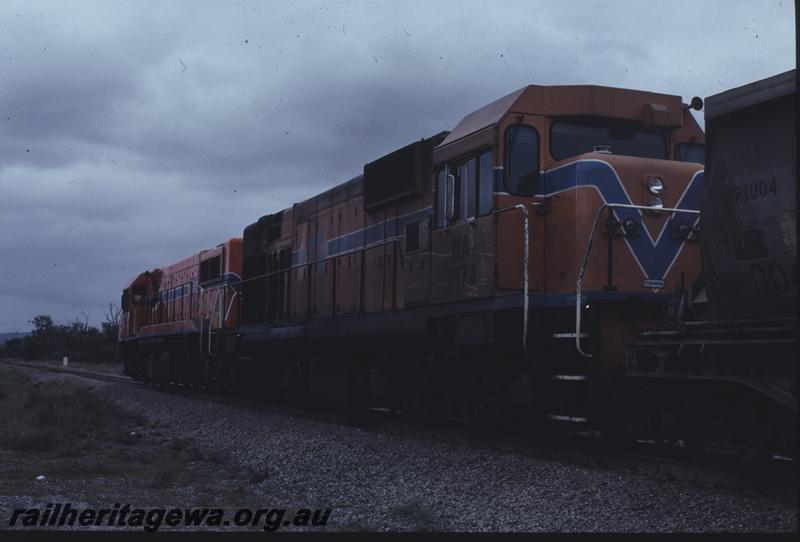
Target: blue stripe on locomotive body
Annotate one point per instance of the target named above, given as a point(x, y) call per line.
point(184, 290)
point(654, 256)
point(376, 233)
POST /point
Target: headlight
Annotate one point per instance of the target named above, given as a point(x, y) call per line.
point(655, 185)
point(656, 204)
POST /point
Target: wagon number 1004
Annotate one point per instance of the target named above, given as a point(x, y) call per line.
point(756, 189)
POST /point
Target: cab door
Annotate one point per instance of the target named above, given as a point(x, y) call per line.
point(462, 257)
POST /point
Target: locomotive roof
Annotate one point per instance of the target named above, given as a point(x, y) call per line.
point(487, 115)
point(566, 100)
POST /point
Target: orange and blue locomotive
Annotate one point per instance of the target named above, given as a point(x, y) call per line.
point(170, 315)
point(493, 272)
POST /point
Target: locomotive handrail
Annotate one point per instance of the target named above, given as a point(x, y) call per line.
point(585, 260)
point(200, 311)
point(525, 251)
point(220, 303)
point(230, 305)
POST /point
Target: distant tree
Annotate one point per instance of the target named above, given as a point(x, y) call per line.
point(111, 326)
point(43, 324)
point(42, 339)
point(85, 315)
point(13, 348)
point(76, 339)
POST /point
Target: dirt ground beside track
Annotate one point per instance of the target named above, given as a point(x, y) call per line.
point(93, 454)
point(101, 443)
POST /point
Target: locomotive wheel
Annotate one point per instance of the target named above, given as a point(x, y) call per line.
point(723, 425)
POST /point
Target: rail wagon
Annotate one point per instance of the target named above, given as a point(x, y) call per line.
point(724, 376)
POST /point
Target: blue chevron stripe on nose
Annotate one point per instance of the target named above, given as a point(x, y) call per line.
point(654, 256)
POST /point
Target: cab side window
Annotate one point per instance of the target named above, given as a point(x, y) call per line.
point(473, 190)
point(440, 206)
point(521, 160)
point(465, 185)
point(485, 184)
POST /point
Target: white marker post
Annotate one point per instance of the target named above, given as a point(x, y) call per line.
point(64, 361)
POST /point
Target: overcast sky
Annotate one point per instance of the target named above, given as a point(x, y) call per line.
point(134, 133)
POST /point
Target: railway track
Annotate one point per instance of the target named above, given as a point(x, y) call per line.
point(94, 375)
point(776, 477)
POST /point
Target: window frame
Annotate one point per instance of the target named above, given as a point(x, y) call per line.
point(441, 221)
point(682, 144)
point(466, 188)
point(599, 124)
point(206, 268)
point(439, 212)
point(480, 182)
point(423, 235)
point(507, 158)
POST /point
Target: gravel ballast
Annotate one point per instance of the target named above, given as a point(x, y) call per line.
point(380, 481)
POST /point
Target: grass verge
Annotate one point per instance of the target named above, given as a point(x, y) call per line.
point(90, 451)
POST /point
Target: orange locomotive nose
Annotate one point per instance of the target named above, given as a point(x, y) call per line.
point(645, 241)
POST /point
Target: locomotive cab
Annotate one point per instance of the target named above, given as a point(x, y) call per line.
point(600, 188)
point(135, 303)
